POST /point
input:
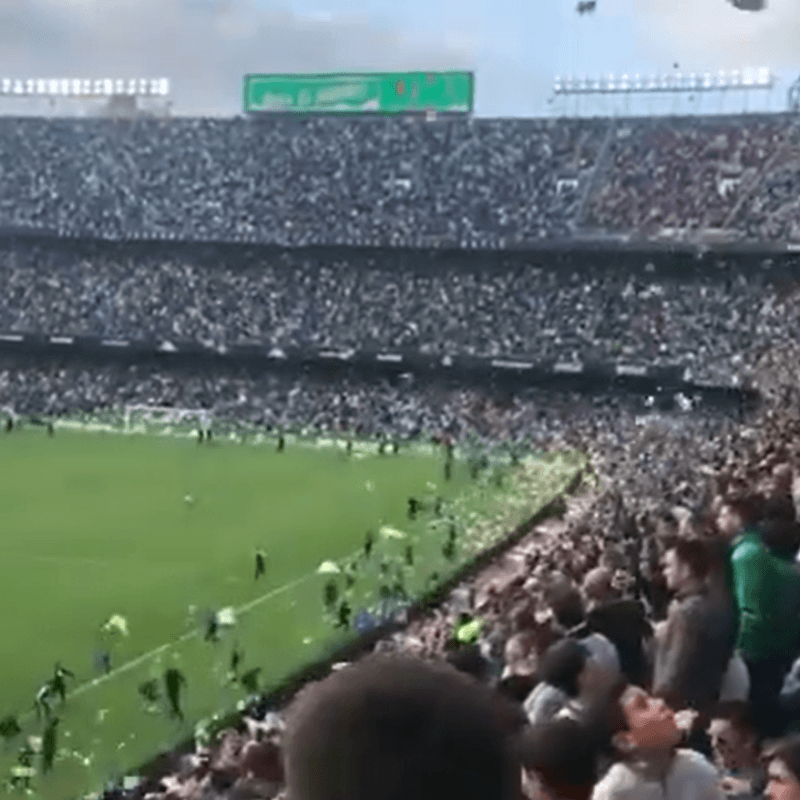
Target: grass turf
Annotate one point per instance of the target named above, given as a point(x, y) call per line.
point(97, 524)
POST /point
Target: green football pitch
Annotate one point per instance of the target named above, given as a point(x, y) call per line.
point(161, 530)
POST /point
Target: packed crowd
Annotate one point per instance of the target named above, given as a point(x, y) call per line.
point(539, 311)
point(645, 646)
point(697, 174)
point(293, 400)
point(464, 183)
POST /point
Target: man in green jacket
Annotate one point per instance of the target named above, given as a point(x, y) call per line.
point(766, 587)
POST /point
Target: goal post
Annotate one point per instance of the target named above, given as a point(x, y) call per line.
point(143, 416)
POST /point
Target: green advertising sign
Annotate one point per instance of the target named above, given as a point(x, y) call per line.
point(348, 93)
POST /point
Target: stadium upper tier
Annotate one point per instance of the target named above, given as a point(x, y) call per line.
point(451, 183)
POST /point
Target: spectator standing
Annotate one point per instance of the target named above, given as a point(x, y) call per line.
point(767, 590)
point(560, 674)
point(695, 648)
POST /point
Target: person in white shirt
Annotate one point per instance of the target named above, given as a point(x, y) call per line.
point(646, 736)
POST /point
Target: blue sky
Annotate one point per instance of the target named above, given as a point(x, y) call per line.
point(515, 47)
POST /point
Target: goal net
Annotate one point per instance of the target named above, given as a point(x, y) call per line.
point(165, 419)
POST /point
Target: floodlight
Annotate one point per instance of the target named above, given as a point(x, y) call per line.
point(637, 81)
point(734, 78)
point(17, 86)
point(131, 86)
point(87, 86)
point(623, 84)
point(142, 85)
point(52, 86)
point(764, 77)
point(748, 78)
point(165, 86)
point(611, 84)
point(6, 84)
point(707, 81)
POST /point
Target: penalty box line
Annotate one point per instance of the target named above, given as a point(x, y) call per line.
point(129, 665)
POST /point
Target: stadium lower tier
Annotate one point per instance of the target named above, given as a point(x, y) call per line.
point(318, 400)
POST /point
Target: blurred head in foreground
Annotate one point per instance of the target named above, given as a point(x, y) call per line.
point(784, 770)
point(393, 727)
point(559, 759)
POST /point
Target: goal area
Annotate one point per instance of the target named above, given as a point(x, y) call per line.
point(167, 419)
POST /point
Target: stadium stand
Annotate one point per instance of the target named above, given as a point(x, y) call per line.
point(139, 231)
point(316, 182)
point(466, 184)
point(543, 310)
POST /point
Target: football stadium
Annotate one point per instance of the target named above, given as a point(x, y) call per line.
point(359, 375)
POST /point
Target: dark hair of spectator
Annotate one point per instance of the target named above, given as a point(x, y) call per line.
point(393, 728)
point(469, 660)
point(566, 603)
point(778, 526)
point(695, 554)
point(749, 507)
point(779, 508)
point(561, 665)
point(523, 618)
point(781, 537)
point(739, 714)
point(517, 687)
point(788, 751)
point(563, 755)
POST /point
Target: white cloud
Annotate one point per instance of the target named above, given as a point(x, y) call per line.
point(205, 46)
